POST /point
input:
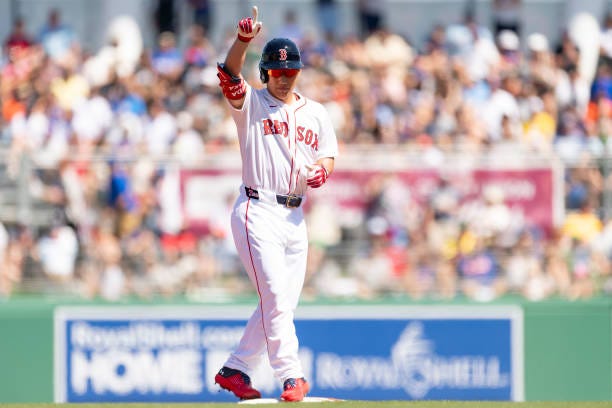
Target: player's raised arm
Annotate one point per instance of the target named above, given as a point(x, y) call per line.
point(231, 81)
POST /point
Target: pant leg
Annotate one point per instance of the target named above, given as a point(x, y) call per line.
point(296, 256)
point(260, 231)
point(251, 347)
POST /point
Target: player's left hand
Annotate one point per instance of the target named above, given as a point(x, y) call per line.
point(317, 176)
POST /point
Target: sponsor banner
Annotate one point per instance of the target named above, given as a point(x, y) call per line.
point(207, 197)
point(163, 354)
point(529, 192)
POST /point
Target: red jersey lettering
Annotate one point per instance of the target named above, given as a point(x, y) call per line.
point(275, 127)
point(278, 127)
point(285, 129)
point(267, 124)
point(308, 137)
point(300, 132)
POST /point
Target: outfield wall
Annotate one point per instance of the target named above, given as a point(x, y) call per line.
point(554, 350)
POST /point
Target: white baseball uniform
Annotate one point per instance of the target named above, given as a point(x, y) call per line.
point(277, 141)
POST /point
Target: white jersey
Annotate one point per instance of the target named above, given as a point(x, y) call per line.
point(277, 140)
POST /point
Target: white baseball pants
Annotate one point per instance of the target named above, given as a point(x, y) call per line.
point(272, 243)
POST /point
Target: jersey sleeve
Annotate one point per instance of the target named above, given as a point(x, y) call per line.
point(245, 105)
point(328, 144)
point(241, 115)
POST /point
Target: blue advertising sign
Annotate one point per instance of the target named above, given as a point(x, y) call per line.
point(164, 354)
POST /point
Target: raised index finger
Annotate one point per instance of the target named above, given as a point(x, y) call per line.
point(254, 14)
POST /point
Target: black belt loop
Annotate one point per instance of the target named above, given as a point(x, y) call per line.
point(251, 192)
point(289, 201)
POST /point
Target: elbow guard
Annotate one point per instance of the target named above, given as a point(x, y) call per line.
point(233, 87)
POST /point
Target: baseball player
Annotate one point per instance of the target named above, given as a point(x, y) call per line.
point(287, 144)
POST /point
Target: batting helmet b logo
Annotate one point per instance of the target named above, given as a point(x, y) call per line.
point(279, 53)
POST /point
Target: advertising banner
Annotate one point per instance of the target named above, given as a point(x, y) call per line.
point(530, 192)
point(164, 354)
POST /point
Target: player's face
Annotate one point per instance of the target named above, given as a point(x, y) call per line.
point(281, 83)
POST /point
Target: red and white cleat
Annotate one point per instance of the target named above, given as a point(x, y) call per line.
point(237, 382)
point(295, 389)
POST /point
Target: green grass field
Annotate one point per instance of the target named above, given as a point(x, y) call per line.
point(342, 404)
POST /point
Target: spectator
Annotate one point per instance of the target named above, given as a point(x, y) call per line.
point(582, 225)
point(507, 15)
point(12, 268)
point(202, 13)
point(502, 103)
point(479, 270)
point(524, 272)
point(13, 105)
point(161, 130)
point(540, 129)
point(457, 99)
point(112, 281)
point(606, 39)
point(421, 278)
point(508, 44)
point(58, 252)
point(385, 49)
point(540, 61)
point(58, 40)
point(370, 16)
point(165, 16)
point(119, 57)
point(490, 217)
point(199, 51)
point(188, 146)
point(70, 89)
point(122, 198)
point(327, 16)
point(509, 144)
point(167, 60)
point(92, 117)
point(374, 269)
point(18, 37)
point(290, 28)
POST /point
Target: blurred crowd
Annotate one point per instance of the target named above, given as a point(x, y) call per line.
point(107, 130)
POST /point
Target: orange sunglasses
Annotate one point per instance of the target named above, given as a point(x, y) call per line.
point(277, 73)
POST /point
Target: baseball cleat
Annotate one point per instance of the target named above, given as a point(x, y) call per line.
point(237, 382)
point(295, 389)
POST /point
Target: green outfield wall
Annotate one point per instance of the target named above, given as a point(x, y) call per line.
point(567, 349)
